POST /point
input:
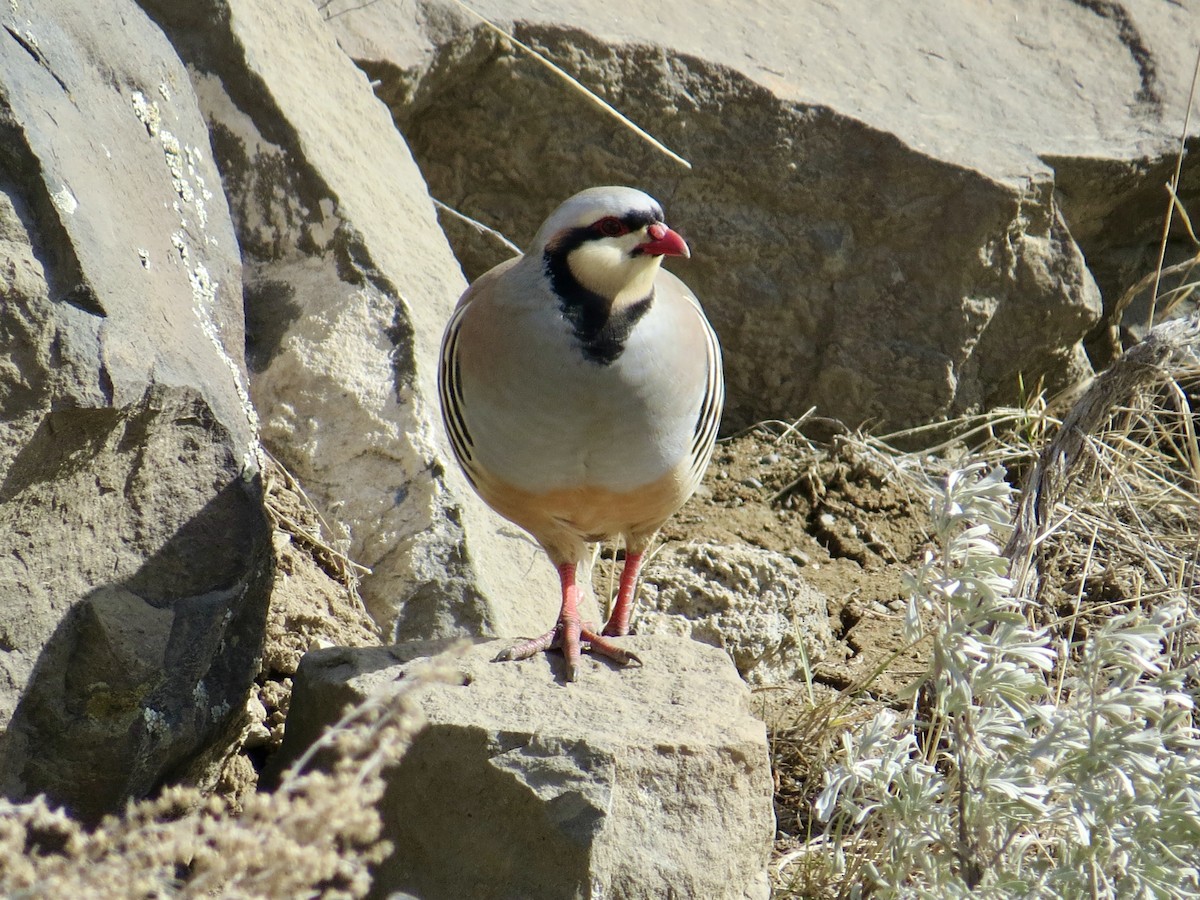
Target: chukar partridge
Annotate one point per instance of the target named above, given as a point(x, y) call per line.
point(581, 388)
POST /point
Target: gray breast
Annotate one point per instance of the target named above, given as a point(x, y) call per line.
point(566, 420)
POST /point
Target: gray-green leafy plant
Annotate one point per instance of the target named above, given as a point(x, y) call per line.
point(1032, 761)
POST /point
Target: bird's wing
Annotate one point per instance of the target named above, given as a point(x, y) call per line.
point(697, 335)
point(450, 368)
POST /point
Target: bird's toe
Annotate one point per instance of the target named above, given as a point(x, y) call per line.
point(598, 643)
point(531, 647)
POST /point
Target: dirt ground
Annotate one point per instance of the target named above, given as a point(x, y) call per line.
point(855, 531)
point(843, 519)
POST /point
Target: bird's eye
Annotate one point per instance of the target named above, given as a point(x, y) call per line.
point(611, 227)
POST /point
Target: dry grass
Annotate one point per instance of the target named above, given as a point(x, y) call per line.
point(316, 835)
point(1111, 511)
point(1109, 522)
point(293, 512)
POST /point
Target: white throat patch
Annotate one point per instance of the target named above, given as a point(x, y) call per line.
point(605, 268)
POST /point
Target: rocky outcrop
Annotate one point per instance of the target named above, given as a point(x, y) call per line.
point(754, 604)
point(349, 284)
point(634, 783)
point(135, 557)
point(876, 228)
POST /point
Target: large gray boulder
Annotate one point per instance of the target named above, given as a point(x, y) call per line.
point(349, 285)
point(632, 783)
point(873, 202)
point(135, 557)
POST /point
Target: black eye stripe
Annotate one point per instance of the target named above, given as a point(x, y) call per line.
point(613, 226)
point(634, 221)
point(571, 238)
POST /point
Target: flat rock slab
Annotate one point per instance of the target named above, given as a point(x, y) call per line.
point(634, 782)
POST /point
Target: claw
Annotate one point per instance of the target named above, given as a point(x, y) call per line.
point(588, 638)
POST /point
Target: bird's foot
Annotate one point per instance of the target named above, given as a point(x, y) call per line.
point(571, 638)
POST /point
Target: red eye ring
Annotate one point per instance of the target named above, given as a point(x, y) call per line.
point(611, 226)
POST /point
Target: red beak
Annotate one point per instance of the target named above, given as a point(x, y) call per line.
point(664, 242)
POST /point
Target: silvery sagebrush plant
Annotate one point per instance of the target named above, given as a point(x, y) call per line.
point(1027, 765)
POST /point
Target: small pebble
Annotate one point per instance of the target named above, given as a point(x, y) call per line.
point(799, 557)
point(770, 459)
point(752, 483)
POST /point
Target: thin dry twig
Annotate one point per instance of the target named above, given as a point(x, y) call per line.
point(1153, 279)
point(575, 85)
point(336, 563)
point(477, 225)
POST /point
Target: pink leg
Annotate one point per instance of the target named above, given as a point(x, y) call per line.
point(569, 625)
point(565, 634)
point(618, 622)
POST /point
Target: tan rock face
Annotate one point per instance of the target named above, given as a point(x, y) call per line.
point(635, 783)
point(135, 558)
point(875, 229)
point(754, 604)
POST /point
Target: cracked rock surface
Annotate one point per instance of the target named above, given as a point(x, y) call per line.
point(135, 555)
point(635, 783)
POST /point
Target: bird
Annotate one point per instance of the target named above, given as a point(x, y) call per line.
point(581, 389)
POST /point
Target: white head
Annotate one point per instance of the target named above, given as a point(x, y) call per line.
point(612, 240)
